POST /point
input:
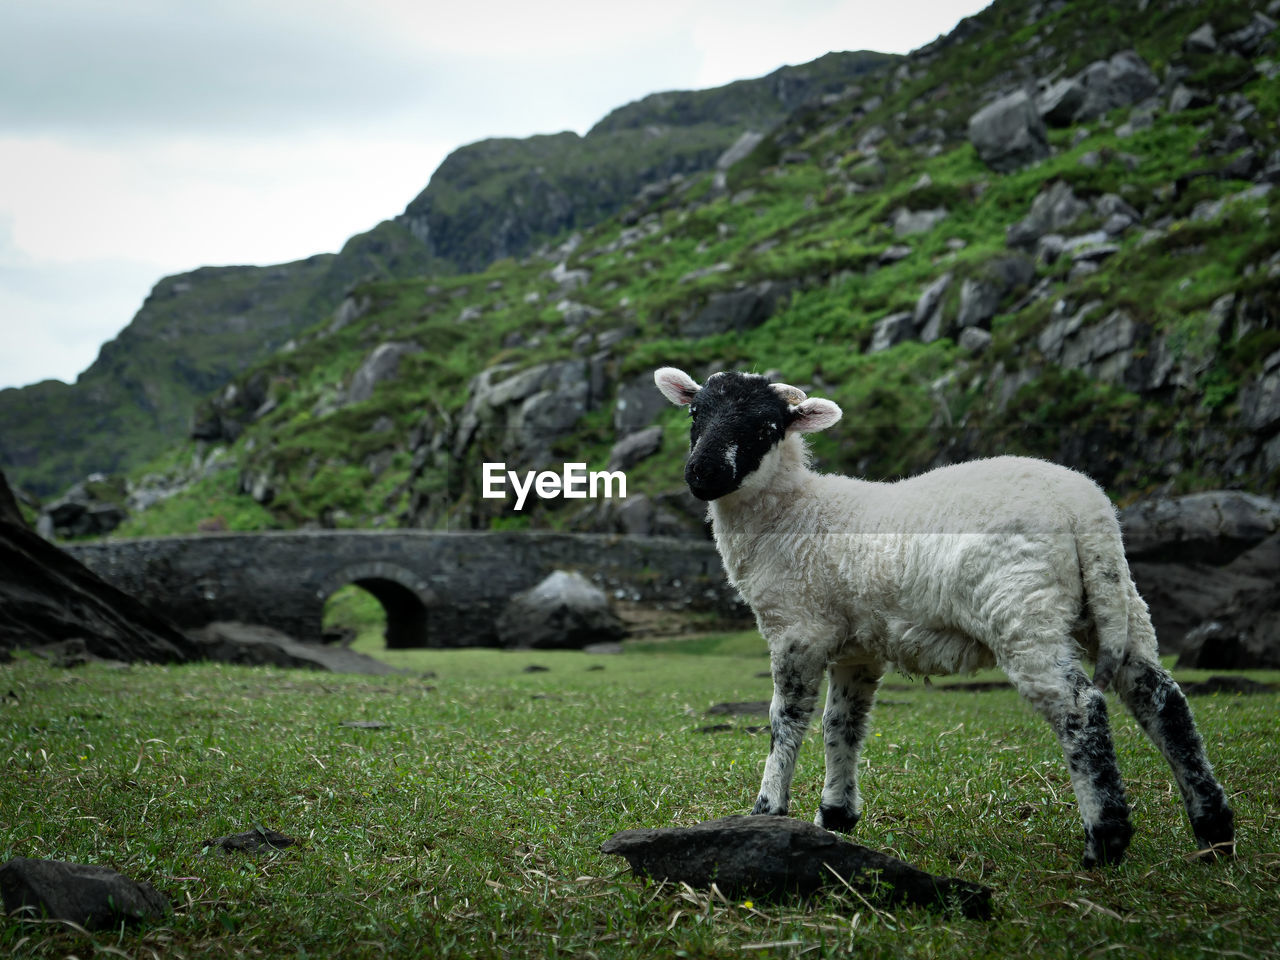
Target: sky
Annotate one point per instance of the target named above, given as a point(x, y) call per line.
point(143, 138)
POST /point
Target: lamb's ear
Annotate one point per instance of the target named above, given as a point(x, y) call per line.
point(812, 415)
point(676, 385)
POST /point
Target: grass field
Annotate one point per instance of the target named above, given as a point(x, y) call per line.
point(469, 825)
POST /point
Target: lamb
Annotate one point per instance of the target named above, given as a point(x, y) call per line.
point(1011, 561)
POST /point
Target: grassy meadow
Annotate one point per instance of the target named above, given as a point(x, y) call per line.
point(469, 824)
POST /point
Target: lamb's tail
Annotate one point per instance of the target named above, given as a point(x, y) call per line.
point(1109, 592)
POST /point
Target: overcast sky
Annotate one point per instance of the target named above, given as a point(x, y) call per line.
point(141, 138)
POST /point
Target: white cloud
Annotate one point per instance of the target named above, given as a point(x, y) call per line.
point(145, 137)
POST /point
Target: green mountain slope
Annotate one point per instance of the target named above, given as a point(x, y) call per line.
point(487, 201)
point(867, 253)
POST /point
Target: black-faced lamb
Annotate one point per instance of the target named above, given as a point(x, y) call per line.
point(1012, 562)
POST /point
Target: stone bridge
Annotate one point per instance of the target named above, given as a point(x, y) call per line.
point(438, 589)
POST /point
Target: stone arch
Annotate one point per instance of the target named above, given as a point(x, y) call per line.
point(405, 597)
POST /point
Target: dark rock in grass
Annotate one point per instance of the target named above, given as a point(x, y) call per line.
point(257, 840)
point(364, 724)
point(536, 668)
point(1223, 684)
point(250, 644)
point(740, 708)
point(90, 895)
point(765, 856)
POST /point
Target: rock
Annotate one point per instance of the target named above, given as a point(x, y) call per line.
point(564, 611)
point(90, 508)
point(255, 645)
point(1205, 564)
point(736, 311)
point(1251, 38)
point(633, 448)
point(381, 365)
point(1212, 528)
point(1260, 402)
point(890, 330)
point(1059, 104)
point(637, 404)
point(765, 856)
point(974, 339)
point(1009, 134)
point(1052, 210)
point(526, 411)
point(1186, 98)
point(257, 840)
point(93, 896)
point(9, 510)
point(1201, 40)
point(927, 317)
point(740, 149)
point(893, 253)
point(48, 597)
point(907, 223)
point(1121, 81)
point(569, 280)
point(981, 295)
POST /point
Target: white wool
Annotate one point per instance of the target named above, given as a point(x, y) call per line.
point(950, 571)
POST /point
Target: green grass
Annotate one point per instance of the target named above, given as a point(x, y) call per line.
point(470, 824)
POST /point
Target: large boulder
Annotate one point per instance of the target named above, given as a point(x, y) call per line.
point(1059, 104)
point(47, 597)
point(564, 611)
point(982, 294)
point(1121, 81)
point(633, 448)
point(1009, 133)
point(1206, 565)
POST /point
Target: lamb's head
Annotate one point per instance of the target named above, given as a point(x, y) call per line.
point(739, 421)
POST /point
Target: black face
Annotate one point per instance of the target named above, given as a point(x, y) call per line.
point(737, 419)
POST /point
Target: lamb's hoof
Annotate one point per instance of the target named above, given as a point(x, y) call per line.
point(764, 808)
point(836, 819)
point(1215, 835)
point(1105, 843)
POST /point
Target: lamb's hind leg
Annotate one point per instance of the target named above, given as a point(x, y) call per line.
point(1058, 688)
point(797, 672)
point(850, 693)
point(1158, 704)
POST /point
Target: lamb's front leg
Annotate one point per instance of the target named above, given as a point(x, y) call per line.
point(797, 671)
point(850, 692)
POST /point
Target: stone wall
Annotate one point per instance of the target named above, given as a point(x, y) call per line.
point(440, 589)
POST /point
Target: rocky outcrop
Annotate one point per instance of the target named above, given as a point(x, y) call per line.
point(521, 414)
point(1053, 210)
point(1009, 133)
point(1206, 565)
point(380, 366)
point(92, 507)
point(735, 310)
point(48, 597)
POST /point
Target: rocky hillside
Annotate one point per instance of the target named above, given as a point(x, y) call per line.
point(1051, 233)
point(489, 200)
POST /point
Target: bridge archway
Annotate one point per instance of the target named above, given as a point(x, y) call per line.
point(405, 597)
